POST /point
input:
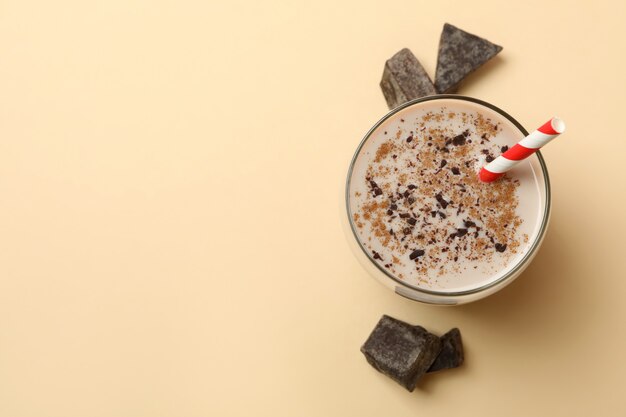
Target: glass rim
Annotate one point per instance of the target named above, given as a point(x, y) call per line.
point(544, 219)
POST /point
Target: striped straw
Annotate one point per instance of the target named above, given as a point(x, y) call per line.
point(522, 150)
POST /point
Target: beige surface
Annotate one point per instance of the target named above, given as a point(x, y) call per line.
point(170, 242)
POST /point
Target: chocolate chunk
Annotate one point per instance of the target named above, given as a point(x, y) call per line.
point(458, 140)
point(451, 355)
point(489, 158)
point(389, 212)
point(393, 207)
point(377, 192)
point(461, 232)
point(455, 171)
point(377, 255)
point(416, 254)
point(500, 247)
point(411, 187)
point(441, 214)
point(409, 139)
point(441, 200)
point(373, 184)
point(404, 79)
point(469, 223)
point(411, 200)
point(443, 163)
point(411, 221)
point(504, 149)
point(401, 351)
point(404, 215)
point(460, 54)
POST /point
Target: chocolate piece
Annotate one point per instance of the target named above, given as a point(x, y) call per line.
point(416, 254)
point(458, 140)
point(441, 200)
point(469, 223)
point(404, 79)
point(455, 171)
point(460, 54)
point(401, 351)
point(500, 247)
point(451, 355)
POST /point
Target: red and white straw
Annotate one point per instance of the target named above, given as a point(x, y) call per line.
point(522, 150)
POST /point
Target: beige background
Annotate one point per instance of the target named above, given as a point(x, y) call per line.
point(170, 239)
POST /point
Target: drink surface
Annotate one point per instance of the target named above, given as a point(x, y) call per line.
point(419, 210)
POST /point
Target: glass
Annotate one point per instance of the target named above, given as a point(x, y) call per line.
point(440, 297)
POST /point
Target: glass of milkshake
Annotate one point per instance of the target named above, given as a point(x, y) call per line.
point(421, 221)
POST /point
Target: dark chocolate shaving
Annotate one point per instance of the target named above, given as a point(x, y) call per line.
point(458, 140)
point(469, 223)
point(461, 232)
point(441, 200)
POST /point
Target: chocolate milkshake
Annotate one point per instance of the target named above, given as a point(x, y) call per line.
point(419, 211)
